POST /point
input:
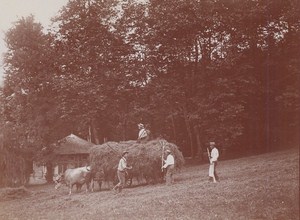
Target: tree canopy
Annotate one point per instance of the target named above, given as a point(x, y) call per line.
point(192, 71)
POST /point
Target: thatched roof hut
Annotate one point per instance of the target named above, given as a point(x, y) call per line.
point(145, 158)
point(71, 151)
point(72, 144)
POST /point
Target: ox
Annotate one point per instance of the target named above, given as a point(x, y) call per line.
point(95, 176)
point(76, 176)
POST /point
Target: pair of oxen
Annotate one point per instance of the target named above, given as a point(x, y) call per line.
point(80, 176)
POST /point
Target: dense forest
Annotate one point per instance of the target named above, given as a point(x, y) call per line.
point(192, 71)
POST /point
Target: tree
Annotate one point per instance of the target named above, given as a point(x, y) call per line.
point(92, 56)
point(29, 107)
point(195, 71)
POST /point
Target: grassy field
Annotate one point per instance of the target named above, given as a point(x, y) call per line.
point(258, 187)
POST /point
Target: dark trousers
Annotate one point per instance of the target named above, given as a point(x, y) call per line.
point(215, 171)
point(169, 175)
point(121, 177)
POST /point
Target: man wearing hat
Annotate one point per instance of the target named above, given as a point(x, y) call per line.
point(169, 165)
point(143, 134)
point(213, 159)
point(121, 172)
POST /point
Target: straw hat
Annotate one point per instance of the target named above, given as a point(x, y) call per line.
point(124, 152)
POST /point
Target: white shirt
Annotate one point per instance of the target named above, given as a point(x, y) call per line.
point(214, 155)
point(122, 164)
point(169, 161)
point(142, 133)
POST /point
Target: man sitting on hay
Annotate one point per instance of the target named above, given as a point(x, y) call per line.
point(143, 133)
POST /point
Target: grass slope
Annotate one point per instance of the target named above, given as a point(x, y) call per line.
point(257, 187)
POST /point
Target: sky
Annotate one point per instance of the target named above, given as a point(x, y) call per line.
point(13, 10)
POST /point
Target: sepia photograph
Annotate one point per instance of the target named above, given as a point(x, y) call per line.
point(149, 109)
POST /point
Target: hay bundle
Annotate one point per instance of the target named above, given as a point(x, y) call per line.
point(145, 158)
point(14, 193)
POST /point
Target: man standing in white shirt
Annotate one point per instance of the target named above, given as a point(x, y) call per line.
point(170, 166)
point(121, 172)
point(213, 159)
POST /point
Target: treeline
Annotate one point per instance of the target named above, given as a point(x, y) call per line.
point(193, 71)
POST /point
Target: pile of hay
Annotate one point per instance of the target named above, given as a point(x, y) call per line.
point(13, 193)
point(145, 159)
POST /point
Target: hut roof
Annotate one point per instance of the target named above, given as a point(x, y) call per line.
point(73, 144)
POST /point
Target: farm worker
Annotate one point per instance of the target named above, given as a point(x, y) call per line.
point(169, 165)
point(121, 172)
point(213, 159)
point(143, 133)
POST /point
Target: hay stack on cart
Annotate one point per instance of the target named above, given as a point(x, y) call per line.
point(145, 158)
